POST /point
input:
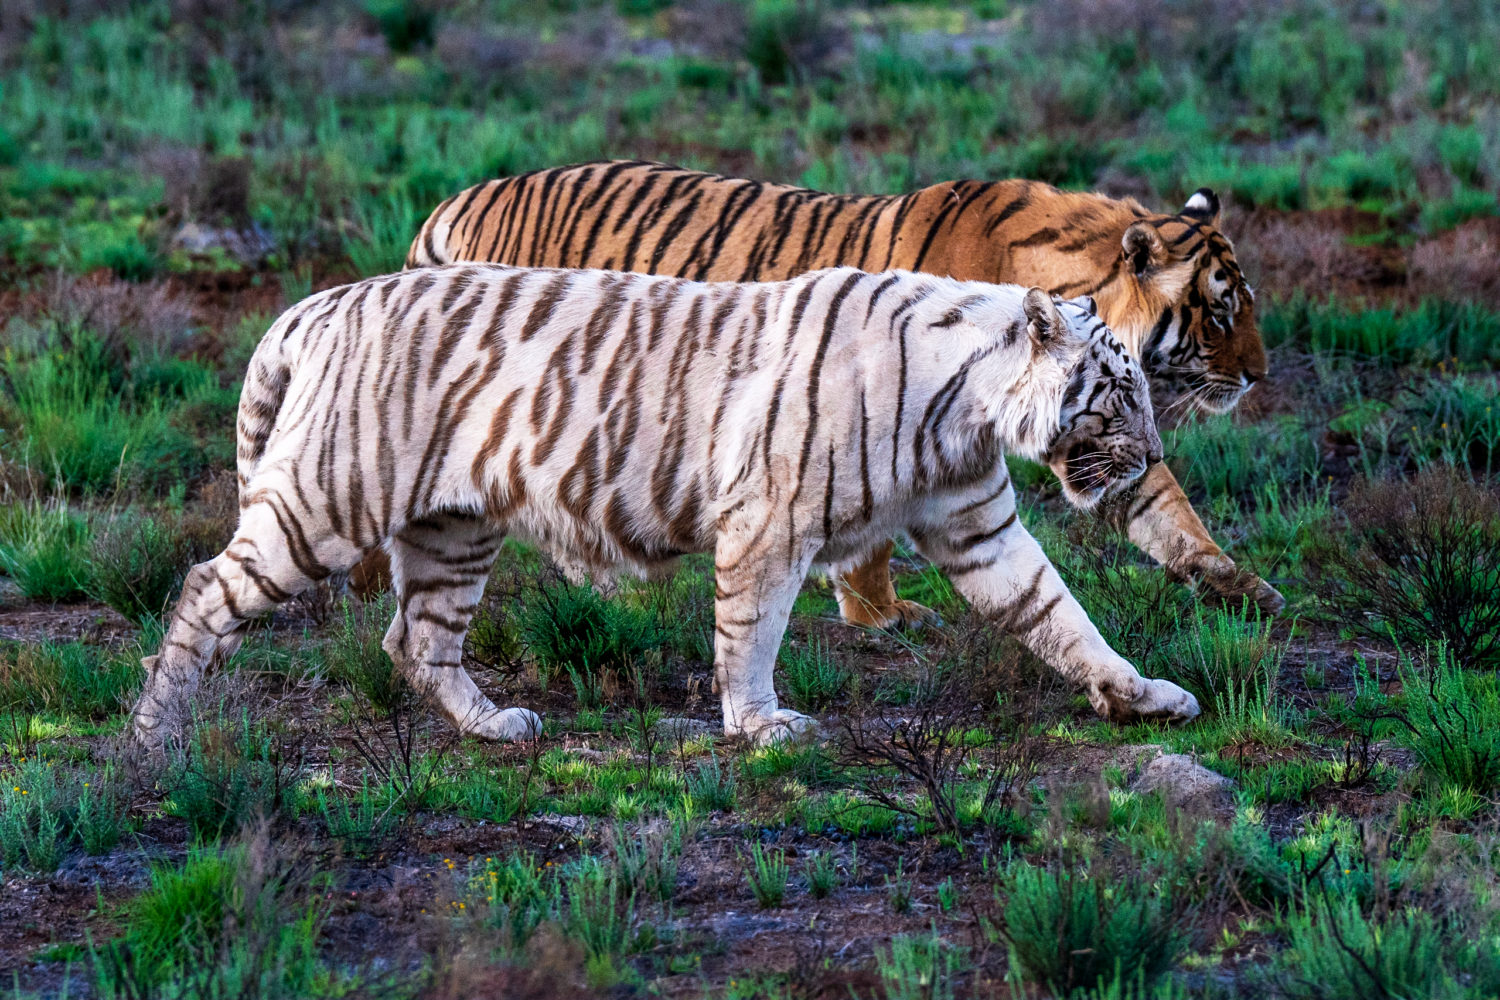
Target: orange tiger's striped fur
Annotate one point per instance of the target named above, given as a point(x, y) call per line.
point(1168, 284)
point(621, 420)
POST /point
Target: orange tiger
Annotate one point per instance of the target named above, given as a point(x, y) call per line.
point(1167, 284)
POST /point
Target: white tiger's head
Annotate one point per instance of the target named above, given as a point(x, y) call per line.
point(1105, 436)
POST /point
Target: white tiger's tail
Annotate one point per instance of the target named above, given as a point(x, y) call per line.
point(266, 382)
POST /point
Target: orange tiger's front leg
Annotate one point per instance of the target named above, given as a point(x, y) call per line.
point(868, 599)
point(1161, 522)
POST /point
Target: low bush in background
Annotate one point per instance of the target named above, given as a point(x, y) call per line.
point(1422, 562)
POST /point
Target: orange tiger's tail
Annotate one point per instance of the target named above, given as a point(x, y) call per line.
point(430, 248)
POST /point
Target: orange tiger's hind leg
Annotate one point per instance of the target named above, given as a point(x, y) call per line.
point(373, 574)
point(868, 599)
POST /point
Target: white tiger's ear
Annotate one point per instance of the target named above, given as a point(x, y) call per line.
point(1043, 322)
point(1204, 204)
point(1142, 248)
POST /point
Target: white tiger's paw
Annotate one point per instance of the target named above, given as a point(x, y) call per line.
point(511, 725)
point(1132, 697)
point(774, 727)
point(1165, 700)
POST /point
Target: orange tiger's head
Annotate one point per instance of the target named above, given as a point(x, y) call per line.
point(1203, 343)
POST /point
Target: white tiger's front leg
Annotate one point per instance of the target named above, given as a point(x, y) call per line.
point(996, 564)
point(757, 574)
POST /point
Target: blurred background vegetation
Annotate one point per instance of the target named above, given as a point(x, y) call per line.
point(331, 126)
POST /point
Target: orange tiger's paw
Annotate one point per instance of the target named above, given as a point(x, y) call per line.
point(898, 614)
point(1232, 585)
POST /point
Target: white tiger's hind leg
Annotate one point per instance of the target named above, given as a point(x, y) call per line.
point(757, 575)
point(439, 566)
point(1000, 569)
point(275, 555)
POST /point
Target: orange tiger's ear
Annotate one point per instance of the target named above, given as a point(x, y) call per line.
point(1043, 322)
point(1143, 248)
point(1204, 205)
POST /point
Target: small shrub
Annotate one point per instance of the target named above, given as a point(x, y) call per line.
point(919, 967)
point(898, 889)
point(360, 821)
point(1422, 561)
point(1069, 930)
point(1454, 421)
point(42, 549)
point(1452, 722)
point(356, 658)
point(230, 774)
point(819, 874)
point(1337, 953)
point(135, 563)
point(947, 895)
point(515, 898)
point(492, 638)
point(124, 253)
point(223, 923)
point(712, 786)
point(1137, 609)
point(565, 626)
point(648, 862)
point(406, 24)
point(767, 876)
point(599, 916)
point(1225, 657)
point(1463, 204)
point(784, 38)
point(45, 810)
point(811, 677)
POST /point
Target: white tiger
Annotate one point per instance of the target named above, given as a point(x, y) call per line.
point(621, 420)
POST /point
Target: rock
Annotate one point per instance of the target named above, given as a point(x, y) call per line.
point(673, 729)
point(1184, 781)
point(248, 245)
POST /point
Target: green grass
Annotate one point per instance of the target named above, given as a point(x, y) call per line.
point(571, 628)
point(42, 548)
point(767, 875)
point(230, 774)
point(224, 922)
point(920, 967)
point(1452, 722)
point(811, 677)
point(68, 678)
point(1434, 330)
point(384, 227)
point(47, 810)
point(1337, 952)
point(1068, 930)
point(819, 875)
